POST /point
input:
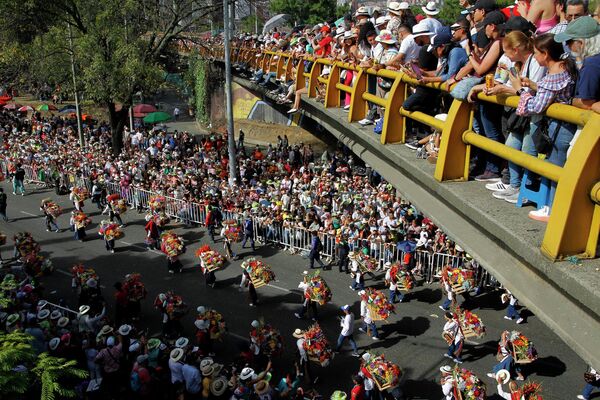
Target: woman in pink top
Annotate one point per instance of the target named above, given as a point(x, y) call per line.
point(541, 12)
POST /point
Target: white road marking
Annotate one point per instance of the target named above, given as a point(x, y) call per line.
point(28, 213)
point(139, 247)
point(279, 288)
point(60, 271)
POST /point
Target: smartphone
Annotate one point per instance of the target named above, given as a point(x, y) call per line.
point(416, 70)
point(514, 71)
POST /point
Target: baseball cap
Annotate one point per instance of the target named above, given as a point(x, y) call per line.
point(581, 28)
point(442, 37)
point(487, 5)
point(494, 18)
point(345, 307)
point(518, 23)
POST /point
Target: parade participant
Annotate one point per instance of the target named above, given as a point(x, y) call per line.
point(202, 332)
point(48, 216)
point(505, 358)
point(347, 333)
point(77, 202)
point(511, 310)
point(315, 250)
point(76, 227)
point(248, 232)
point(247, 282)
point(97, 195)
point(210, 222)
point(307, 302)
point(109, 240)
point(113, 213)
point(3, 204)
point(358, 280)
point(365, 314)
point(391, 279)
point(152, 233)
point(452, 332)
point(121, 303)
point(302, 356)
point(227, 243)
point(370, 388)
point(592, 382)
point(515, 393)
point(343, 249)
point(174, 264)
point(447, 288)
point(447, 382)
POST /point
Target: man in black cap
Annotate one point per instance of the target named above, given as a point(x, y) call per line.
point(480, 10)
point(452, 56)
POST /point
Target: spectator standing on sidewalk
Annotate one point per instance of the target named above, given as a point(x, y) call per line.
point(3, 199)
point(18, 179)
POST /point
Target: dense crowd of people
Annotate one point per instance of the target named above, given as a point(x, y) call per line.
point(545, 52)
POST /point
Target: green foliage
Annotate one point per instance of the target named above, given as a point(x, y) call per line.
point(200, 71)
point(248, 24)
point(449, 12)
point(51, 372)
point(15, 351)
point(306, 12)
point(342, 10)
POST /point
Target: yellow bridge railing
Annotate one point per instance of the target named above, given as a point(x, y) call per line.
point(574, 224)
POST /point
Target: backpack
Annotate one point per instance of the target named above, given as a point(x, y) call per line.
point(135, 382)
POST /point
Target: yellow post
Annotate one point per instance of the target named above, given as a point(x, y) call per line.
point(314, 78)
point(393, 122)
point(453, 157)
point(332, 94)
point(300, 78)
point(279, 70)
point(288, 69)
point(572, 221)
point(358, 107)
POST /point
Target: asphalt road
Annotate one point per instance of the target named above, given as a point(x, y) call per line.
point(412, 338)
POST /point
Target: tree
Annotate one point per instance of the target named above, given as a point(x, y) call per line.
point(51, 372)
point(15, 352)
point(309, 12)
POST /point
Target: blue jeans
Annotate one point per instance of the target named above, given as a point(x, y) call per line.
point(558, 155)
point(455, 349)
point(523, 142)
point(446, 304)
point(248, 235)
point(341, 340)
point(358, 285)
point(490, 121)
point(395, 294)
point(372, 327)
point(589, 388)
point(18, 186)
point(506, 364)
point(512, 312)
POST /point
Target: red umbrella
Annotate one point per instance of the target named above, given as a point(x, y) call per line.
point(5, 98)
point(139, 115)
point(144, 109)
point(12, 106)
point(25, 109)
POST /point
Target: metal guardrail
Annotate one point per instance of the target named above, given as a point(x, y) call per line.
point(574, 224)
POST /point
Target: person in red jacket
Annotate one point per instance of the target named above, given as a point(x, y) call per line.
point(152, 234)
point(358, 391)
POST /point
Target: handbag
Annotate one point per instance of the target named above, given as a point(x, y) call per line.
point(464, 86)
point(542, 140)
point(517, 123)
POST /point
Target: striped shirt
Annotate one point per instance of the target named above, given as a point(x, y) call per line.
point(553, 88)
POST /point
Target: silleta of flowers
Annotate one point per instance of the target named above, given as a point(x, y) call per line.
point(532, 391)
point(523, 350)
point(25, 244)
point(172, 244)
point(134, 287)
point(258, 271)
point(209, 258)
point(379, 304)
point(173, 305)
point(160, 219)
point(461, 279)
point(317, 347)
point(470, 323)
point(157, 203)
point(28, 251)
point(52, 208)
point(268, 339)
point(81, 275)
point(217, 325)
point(366, 262)
point(109, 230)
point(318, 290)
point(117, 203)
point(80, 193)
point(233, 231)
point(403, 278)
point(467, 385)
point(385, 373)
point(81, 220)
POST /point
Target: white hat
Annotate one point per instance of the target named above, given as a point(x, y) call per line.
point(404, 5)
point(206, 362)
point(62, 322)
point(298, 333)
point(362, 293)
point(92, 283)
point(54, 342)
point(110, 341)
point(382, 20)
point(218, 386)
point(43, 314)
point(304, 272)
point(362, 11)
point(504, 374)
point(201, 324)
point(176, 354)
point(446, 369)
point(431, 8)
point(366, 357)
point(124, 330)
point(106, 329)
point(84, 309)
point(421, 29)
point(201, 309)
point(339, 32)
point(387, 264)
point(246, 373)
point(349, 35)
point(142, 358)
point(255, 324)
point(385, 36)
point(182, 342)
point(394, 7)
point(55, 314)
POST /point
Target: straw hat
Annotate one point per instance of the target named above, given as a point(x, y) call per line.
point(255, 324)
point(298, 333)
point(431, 8)
point(504, 375)
point(55, 315)
point(124, 330)
point(201, 324)
point(153, 343)
point(218, 386)
point(246, 373)
point(446, 369)
point(207, 370)
point(181, 342)
point(106, 329)
point(176, 354)
point(54, 342)
point(84, 309)
point(261, 387)
point(43, 314)
point(394, 7)
point(201, 309)
point(206, 362)
point(12, 319)
point(62, 322)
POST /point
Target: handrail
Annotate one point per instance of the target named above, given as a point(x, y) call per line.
point(574, 224)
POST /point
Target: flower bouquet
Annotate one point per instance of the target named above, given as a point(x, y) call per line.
point(385, 373)
point(268, 339)
point(53, 209)
point(403, 278)
point(25, 244)
point(171, 244)
point(119, 206)
point(317, 347)
point(80, 194)
point(174, 306)
point(378, 304)
point(523, 350)
point(157, 203)
point(467, 385)
point(110, 230)
point(113, 197)
point(260, 273)
point(2, 239)
point(532, 391)
point(217, 327)
point(367, 263)
point(81, 220)
point(209, 259)
point(318, 290)
point(81, 275)
point(461, 279)
point(233, 231)
point(161, 219)
point(134, 287)
point(470, 323)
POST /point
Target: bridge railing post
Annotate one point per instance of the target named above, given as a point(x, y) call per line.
point(393, 123)
point(300, 78)
point(332, 94)
point(313, 81)
point(358, 106)
point(453, 156)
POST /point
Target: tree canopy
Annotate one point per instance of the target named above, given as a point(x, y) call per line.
point(306, 12)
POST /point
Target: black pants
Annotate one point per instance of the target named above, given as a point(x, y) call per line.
point(343, 264)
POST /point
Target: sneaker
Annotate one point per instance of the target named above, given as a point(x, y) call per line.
point(442, 308)
point(347, 108)
point(520, 321)
point(488, 176)
point(292, 111)
point(491, 375)
point(496, 186)
point(513, 198)
point(297, 316)
point(351, 287)
point(14, 193)
point(447, 356)
point(377, 119)
point(580, 396)
point(503, 194)
point(519, 378)
point(543, 214)
point(365, 122)
point(355, 354)
point(413, 144)
point(458, 361)
point(361, 330)
point(507, 317)
point(171, 271)
point(375, 338)
point(251, 305)
point(112, 251)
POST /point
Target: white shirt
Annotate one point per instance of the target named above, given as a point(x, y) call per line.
point(454, 329)
point(365, 313)
point(505, 395)
point(388, 278)
point(300, 345)
point(433, 24)
point(409, 48)
point(447, 388)
point(347, 324)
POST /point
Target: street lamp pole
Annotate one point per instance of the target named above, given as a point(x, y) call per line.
point(228, 95)
point(77, 110)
